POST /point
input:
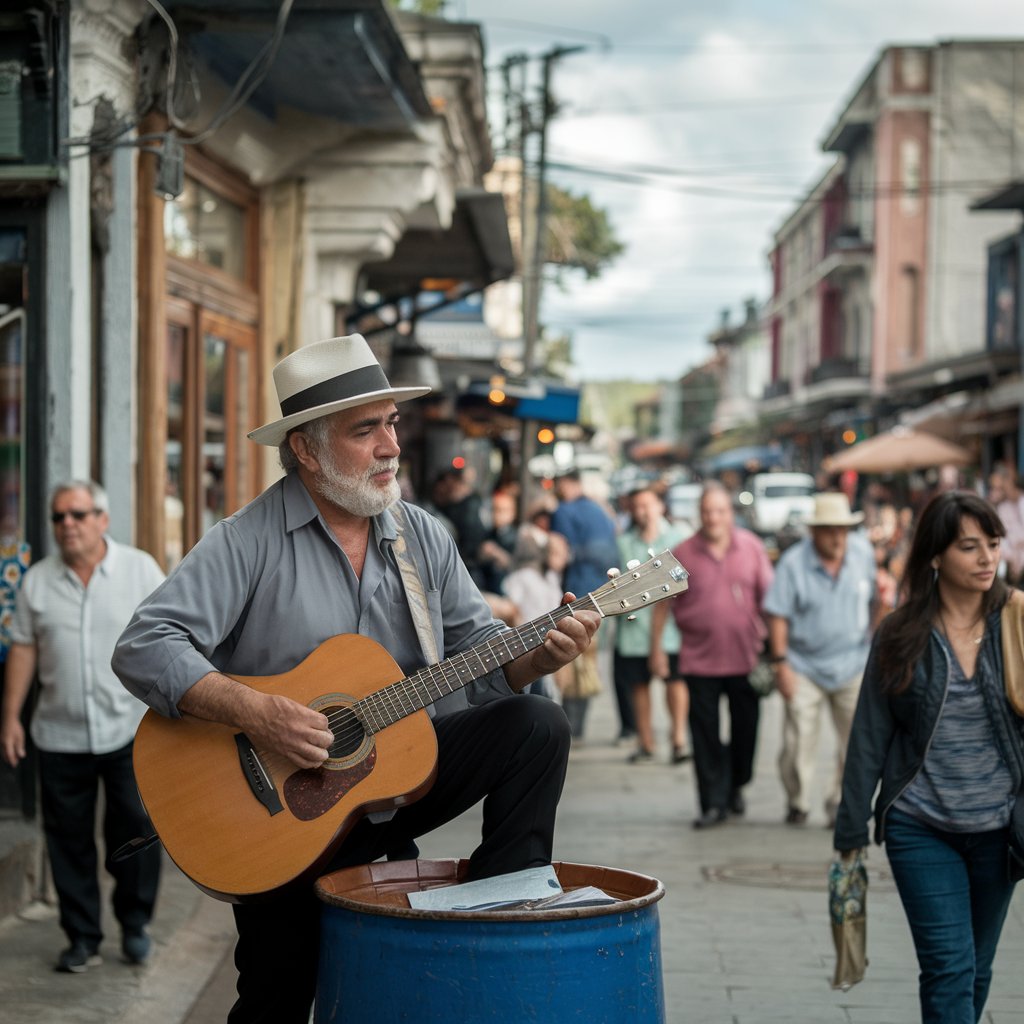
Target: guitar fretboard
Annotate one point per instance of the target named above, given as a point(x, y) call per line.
point(430, 684)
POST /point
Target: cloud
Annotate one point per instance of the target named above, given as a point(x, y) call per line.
point(734, 98)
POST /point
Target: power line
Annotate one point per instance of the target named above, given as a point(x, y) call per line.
point(698, 106)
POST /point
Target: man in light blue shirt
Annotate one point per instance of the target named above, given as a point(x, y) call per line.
point(315, 555)
point(820, 609)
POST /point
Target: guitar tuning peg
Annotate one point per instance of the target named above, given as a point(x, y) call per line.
point(632, 564)
point(631, 618)
point(613, 573)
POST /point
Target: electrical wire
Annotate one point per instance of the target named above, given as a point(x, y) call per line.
point(250, 79)
point(172, 62)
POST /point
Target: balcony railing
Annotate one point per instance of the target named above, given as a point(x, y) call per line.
point(835, 369)
point(777, 389)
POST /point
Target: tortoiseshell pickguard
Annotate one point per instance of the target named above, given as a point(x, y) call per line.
point(314, 791)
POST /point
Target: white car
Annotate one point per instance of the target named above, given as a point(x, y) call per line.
point(683, 503)
point(778, 499)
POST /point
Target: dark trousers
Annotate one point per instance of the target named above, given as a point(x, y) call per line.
point(956, 891)
point(722, 768)
point(625, 671)
point(69, 788)
point(512, 753)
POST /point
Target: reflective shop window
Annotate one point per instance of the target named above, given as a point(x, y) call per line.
point(204, 226)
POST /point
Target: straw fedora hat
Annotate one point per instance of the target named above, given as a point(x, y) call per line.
point(833, 509)
point(326, 377)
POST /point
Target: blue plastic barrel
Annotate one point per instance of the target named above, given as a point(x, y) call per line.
point(382, 962)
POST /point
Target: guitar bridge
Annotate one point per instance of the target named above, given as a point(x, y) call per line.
point(256, 775)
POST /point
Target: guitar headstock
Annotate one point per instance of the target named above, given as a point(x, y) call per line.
point(659, 577)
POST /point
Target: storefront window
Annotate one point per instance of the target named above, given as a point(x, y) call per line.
point(215, 350)
point(15, 553)
point(202, 225)
point(174, 501)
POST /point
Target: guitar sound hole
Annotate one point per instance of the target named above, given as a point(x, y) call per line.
point(348, 731)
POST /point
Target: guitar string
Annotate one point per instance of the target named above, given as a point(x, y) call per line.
point(380, 707)
point(345, 722)
point(279, 764)
point(531, 631)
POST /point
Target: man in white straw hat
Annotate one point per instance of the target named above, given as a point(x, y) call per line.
point(320, 553)
point(820, 618)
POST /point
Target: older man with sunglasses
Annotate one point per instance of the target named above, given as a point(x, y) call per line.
point(71, 609)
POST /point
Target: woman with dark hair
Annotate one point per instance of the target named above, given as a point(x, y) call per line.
point(933, 725)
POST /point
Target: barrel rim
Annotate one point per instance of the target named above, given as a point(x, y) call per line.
point(434, 871)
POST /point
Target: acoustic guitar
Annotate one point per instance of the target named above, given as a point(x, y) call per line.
point(241, 822)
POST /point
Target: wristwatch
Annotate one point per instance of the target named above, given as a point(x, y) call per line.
point(776, 659)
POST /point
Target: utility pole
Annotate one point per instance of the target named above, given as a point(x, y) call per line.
point(533, 272)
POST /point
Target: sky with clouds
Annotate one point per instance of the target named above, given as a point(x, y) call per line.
point(697, 127)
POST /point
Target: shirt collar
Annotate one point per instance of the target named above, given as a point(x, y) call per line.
point(299, 508)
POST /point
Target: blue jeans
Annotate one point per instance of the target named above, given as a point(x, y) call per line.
point(956, 892)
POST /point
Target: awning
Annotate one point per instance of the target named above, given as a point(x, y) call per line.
point(1009, 197)
point(473, 253)
point(340, 60)
point(749, 457)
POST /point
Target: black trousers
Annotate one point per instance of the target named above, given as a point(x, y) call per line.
point(512, 753)
point(722, 768)
point(628, 672)
point(69, 788)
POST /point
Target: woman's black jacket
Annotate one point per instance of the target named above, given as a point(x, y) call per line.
point(891, 732)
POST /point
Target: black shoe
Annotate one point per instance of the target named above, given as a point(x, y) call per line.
point(680, 755)
point(640, 757)
point(737, 805)
point(78, 958)
point(709, 819)
point(136, 945)
point(796, 817)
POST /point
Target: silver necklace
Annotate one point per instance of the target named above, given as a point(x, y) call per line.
point(974, 640)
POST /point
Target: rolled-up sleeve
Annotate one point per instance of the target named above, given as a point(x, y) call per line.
point(168, 645)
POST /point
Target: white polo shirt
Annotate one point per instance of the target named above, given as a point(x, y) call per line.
point(82, 707)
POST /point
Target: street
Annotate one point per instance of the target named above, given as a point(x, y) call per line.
point(744, 929)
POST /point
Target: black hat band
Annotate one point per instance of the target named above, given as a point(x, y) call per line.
point(364, 381)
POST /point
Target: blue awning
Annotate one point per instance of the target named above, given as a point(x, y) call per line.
point(748, 457)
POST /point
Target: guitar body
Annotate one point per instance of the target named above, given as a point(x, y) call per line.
point(241, 824)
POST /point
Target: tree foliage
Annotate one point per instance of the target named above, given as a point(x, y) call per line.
point(579, 234)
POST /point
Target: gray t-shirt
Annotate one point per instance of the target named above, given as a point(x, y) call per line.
point(964, 784)
point(269, 584)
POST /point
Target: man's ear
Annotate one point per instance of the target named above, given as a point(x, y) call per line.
point(299, 444)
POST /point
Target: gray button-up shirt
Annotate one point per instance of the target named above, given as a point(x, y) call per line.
point(269, 584)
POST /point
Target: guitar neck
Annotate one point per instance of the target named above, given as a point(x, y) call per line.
point(430, 684)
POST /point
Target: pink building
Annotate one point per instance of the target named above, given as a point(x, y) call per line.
point(879, 298)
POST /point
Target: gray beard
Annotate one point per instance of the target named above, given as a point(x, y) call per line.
point(357, 494)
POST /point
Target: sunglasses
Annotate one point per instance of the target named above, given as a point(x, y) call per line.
point(78, 514)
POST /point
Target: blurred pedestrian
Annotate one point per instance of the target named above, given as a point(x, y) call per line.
point(70, 611)
point(934, 727)
point(461, 506)
point(590, 533)
point(820, 617)
point(649, 532)
point(534, 586)
point(721, 636)
point(1005, 494)
point(495, 554)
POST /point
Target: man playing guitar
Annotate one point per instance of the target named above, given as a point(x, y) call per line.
point(310, 558)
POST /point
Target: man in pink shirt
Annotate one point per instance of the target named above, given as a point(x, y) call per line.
point(722, 630)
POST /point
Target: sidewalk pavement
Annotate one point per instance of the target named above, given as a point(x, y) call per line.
point(744, 927)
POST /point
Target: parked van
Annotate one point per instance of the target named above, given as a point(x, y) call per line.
point(776, 499)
